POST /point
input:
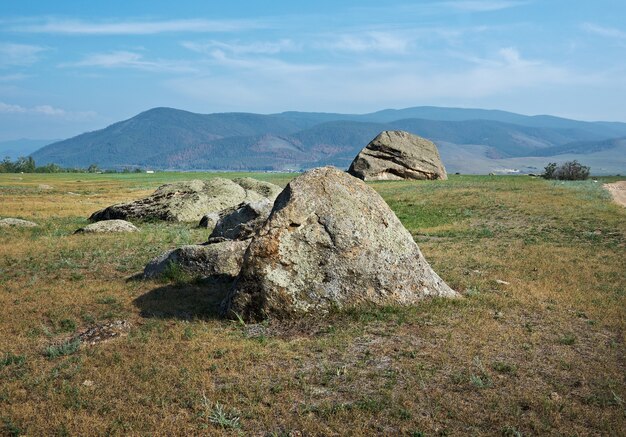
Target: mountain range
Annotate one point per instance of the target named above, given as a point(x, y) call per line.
point(469, 140)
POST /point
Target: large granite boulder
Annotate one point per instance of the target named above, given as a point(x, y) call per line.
point(241, 221)
point(188, 201)
point(330, 241)
point(203, 260)
point(16, 223)
point(395, 155)
point(108, 226)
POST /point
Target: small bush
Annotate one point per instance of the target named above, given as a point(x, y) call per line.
point(66, 348)
point(568, 171)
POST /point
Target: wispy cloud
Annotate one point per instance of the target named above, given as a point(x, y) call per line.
point(242, 48)
point(345, 87)
point(127, 59)
point(609, 32)
point(13, 77)
point(370, 41)
point(12, 54)
point(483, 5)
point(83, 27)
point(46, 110)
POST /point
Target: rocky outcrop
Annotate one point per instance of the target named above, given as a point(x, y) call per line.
point(242, 221)
point(108, 226)
point(330, 241)
point(17, 223)
point(396, 155)
point(189, 201)
point(218, 259)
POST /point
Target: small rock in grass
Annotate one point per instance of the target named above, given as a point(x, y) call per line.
point(108, 226)
point(18, 223)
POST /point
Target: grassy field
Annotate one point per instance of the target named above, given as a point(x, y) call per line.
point(535, 347)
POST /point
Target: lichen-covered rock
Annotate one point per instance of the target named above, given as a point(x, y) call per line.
point(242, 221)
point(265, 189)
point(219, 259)
point(395, 155)
point(17, 223)
point(187, 201)
point(330, 241)
point(108, 226)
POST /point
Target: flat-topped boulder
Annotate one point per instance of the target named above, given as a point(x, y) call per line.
point(204, 260)
point(330, 241)
point(189, 201)
point(16, 223)
point(108, 226)
point(397, 155)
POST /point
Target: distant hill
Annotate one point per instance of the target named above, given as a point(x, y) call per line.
point(165, 138)
point(22, 147)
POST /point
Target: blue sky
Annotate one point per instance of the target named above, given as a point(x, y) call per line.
point(71, 66)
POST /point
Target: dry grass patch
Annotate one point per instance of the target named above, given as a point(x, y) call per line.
point(535, 347)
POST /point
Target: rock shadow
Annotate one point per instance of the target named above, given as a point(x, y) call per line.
point(186, 301)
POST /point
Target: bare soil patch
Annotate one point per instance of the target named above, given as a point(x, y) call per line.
point(618, 191)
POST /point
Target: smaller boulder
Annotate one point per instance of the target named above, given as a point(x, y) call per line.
point(242, 221)
point(17, 223)
point(108, 226)
point(219, 259)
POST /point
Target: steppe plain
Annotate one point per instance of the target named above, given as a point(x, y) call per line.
point(534, 347)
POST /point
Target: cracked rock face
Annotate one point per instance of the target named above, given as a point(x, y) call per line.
point(189, 201)
point(330, 241)
point(241, 221)
point(396, 155)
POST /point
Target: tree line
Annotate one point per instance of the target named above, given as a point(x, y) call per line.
point(26, 164)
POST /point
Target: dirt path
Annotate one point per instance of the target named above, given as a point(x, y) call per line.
point(618, 191)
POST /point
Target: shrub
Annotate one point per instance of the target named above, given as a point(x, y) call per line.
point(568, 171)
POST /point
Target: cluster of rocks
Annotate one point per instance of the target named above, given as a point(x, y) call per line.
point(189, 201)
point(326, 241)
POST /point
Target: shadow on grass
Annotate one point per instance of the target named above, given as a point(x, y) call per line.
point(185, 301)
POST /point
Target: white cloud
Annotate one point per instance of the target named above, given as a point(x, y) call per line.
point(372, 41)
point(46, 110)
point(482, 5)
point(608, 32)
point(19, 54)
point(13, 77)
point(373, 85)
point(239, 48)
point(126, 59)
point(82, 27)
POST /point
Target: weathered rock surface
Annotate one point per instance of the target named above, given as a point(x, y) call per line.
point(188, 201)
point(330, 241)
point(108, 226)
point(209, 220)
point(219, 259)
point(395, 155)
point(265, 189)
point(242, 221)
point(15, 222)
